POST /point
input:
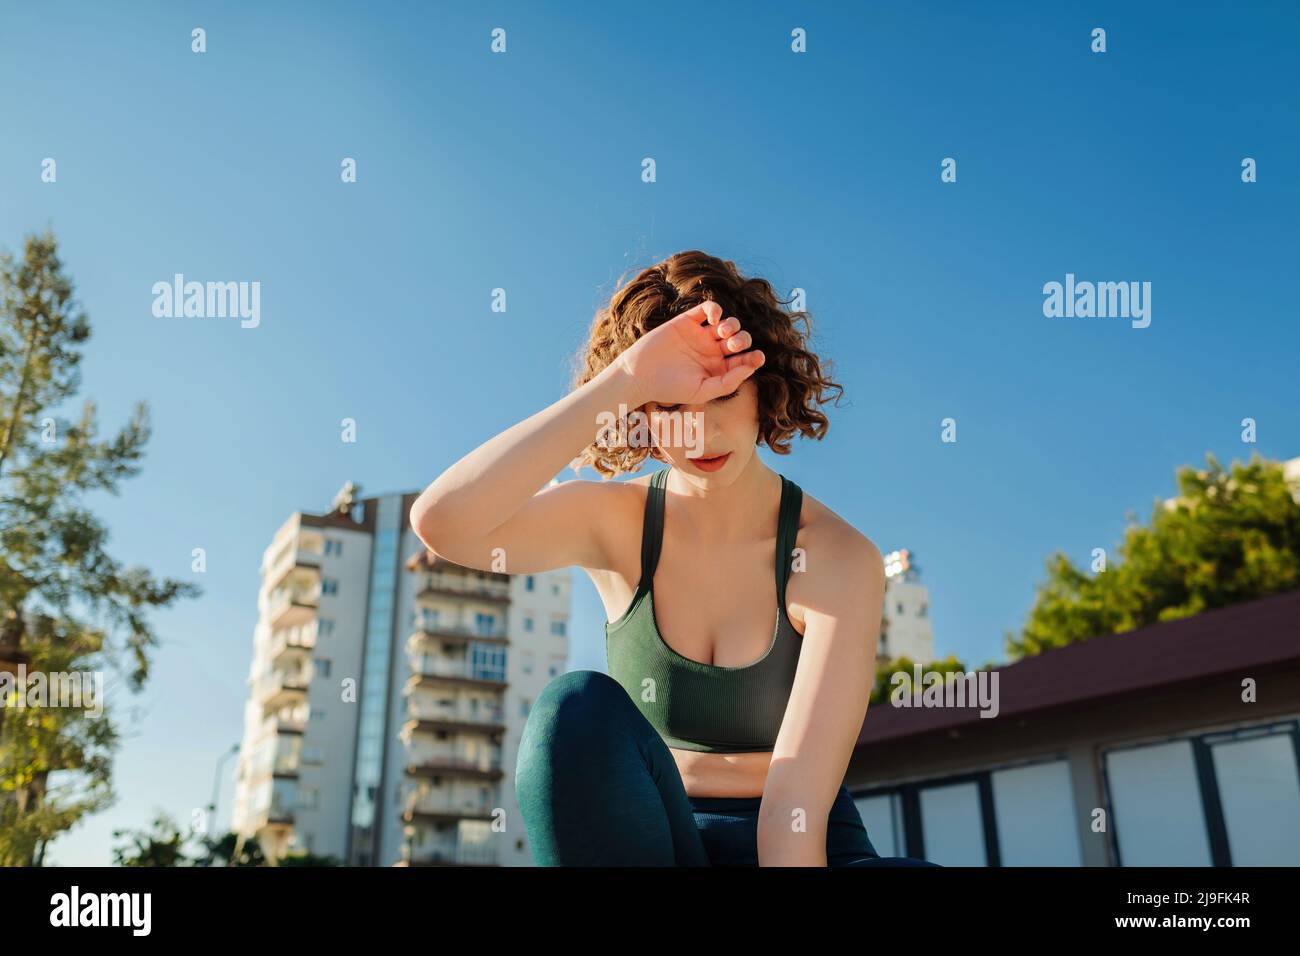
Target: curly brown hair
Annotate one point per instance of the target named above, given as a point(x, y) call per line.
point(792, 382)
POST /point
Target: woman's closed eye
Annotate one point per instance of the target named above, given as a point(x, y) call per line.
point(720, 398)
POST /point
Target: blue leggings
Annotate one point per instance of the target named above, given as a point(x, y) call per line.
point(597, 786)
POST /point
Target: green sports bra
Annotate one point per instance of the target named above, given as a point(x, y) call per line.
point(697, 706)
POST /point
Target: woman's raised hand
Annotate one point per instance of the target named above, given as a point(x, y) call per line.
point(692, 358)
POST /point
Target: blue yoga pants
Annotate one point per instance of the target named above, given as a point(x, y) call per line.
point(597, 786)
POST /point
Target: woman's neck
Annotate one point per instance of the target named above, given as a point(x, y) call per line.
point(732, 511)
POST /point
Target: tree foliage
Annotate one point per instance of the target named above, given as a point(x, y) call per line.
point(885, 672)
point(228, 851)
point(68, 602)
point(163, 844)
point(1230, 536)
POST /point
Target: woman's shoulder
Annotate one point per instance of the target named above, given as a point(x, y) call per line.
point(829, 539)
point(620, 504)
point(611, 498)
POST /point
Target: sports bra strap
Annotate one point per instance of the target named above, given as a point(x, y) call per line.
point(652, 531)
point(787, 532)
point(652, 528)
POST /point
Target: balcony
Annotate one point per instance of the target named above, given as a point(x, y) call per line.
point(300, 561)
point(284, 722)
point(292, 607)
point(292, 644)
point(286, 758)
point(279, 689)
point(431, 669)
point(424, 717)
point(279, 811)
point(455, 763)
point(452, 633)
point(443, 807)
point(441, 584)
point(447, 853)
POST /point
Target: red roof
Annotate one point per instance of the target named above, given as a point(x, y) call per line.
point(1244, 638)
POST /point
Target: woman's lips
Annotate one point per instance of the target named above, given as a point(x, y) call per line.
point(710, 464)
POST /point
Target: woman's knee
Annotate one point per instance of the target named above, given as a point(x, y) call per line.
point(574, 715)
point(576, 698)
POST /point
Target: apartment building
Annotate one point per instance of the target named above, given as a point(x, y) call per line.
point(388, 693)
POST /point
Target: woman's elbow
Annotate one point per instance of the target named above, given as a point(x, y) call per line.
point(427, 519)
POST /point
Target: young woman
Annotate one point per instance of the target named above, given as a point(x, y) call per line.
point(719, 737)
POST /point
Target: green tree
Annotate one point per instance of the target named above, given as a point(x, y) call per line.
point(40, 739)
point(161, 845)
point(885, 672)
point(1229, 536)
point(55, 568)
point(227, 852)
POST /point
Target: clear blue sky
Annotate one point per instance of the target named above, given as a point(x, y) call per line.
point(523, 171)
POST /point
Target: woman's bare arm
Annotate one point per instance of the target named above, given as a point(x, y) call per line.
point(841, 603)
point(490, 499)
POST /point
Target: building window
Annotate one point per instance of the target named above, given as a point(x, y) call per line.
point(922, 610)
point(488, 662)
point(528, 623)
point(528, 583)
point(900, 607)
point(971, 819)
point(317, 713)
point(557, 628)
point(329, 586)
point(324, 626)
point(1162, 808)
point(323, 666)
point(333, 547)
point(485, 623)
point(555, 589)
point(523, 706)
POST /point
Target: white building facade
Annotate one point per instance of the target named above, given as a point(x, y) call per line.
point(907, 632)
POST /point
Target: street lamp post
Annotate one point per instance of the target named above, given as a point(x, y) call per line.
point(216, 787)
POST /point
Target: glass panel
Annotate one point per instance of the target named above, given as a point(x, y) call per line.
point(374, 679)
point(1157, 817)
point(883, 817)
point(952, 826)
point(1037, 823)
point(1260, 794)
